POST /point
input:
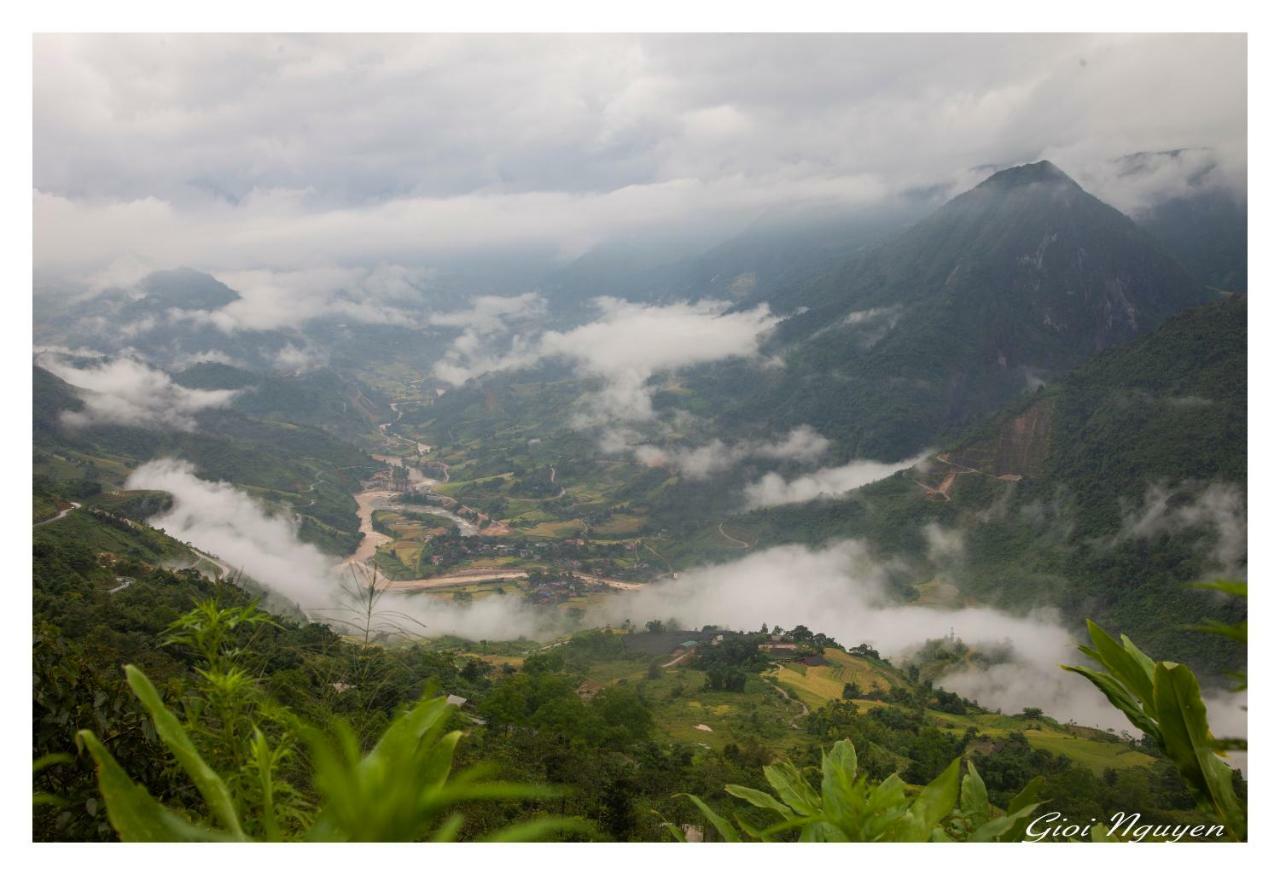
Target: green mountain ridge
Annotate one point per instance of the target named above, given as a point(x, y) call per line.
point(1021, 278)
point(302, 467)
point(1046, 490)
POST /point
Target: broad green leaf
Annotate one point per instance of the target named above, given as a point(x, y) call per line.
point(758, 798)
point(1007, 827)
point(826, 831)
point(843, 756)
point(211, 787)
point(885, 805)
point(440, 760)
point(891, 792)
point(459, 791)
point(1188, 742)
point(1123, 665)
point(910, 827)
point(1148, 665)
point(1120, 698)
point(1238, 632)
point(448, 831)
point(974, 804)
point(759, 835)
point(132, 811)
point(262, 756)
point(1230, 587)
point(50, 759)
point(791, 823)
point(838, 768)
point(724, 827)
point(938, 799)
point(792, 788)
point(1027, 798)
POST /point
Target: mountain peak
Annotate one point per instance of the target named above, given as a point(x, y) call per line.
point(186, 289)
point(1027, 174)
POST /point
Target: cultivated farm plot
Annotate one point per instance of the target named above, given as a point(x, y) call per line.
point(758, 713)
point(556, 529)
point(681, 703)
point(818, 684)
point(1097, 755)
point(622, 524)
point(1088, 747)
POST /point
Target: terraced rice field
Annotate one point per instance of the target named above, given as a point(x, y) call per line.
point(817, 685)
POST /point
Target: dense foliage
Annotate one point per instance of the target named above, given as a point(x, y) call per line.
point(249, 693)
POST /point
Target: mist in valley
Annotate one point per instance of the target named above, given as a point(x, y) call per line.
point(841, 589)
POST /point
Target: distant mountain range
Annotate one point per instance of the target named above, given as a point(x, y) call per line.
point(1018, 280)
point(1037, 336)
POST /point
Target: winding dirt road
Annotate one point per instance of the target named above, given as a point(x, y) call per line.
point(54, 519)
point(735, 541)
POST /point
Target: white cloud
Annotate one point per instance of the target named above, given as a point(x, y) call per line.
point(624, 348)
point(492, 314)
point(282, 231)
point(943, 546)
point(841, 590)
point(802, 444)
point(296, 360)
point(222, 520)
point(123, 391)
point(1219, 507)
point(251, 152)
point(273, 299)
point(209, 356)
point(227, 523)
point(773, 489)
point(472, 352)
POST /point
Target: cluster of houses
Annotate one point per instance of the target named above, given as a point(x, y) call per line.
point(791, 651)
point(560, 590)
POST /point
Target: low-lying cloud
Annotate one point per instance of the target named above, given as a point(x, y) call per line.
point(802, 444)
point(1218, 508)
point(773, 489)
point(842, 590)
point(623, 349)
point(124, 391)
point(274, 299)
point(222, 520)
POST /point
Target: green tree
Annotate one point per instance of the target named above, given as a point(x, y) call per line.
point(1162, 699)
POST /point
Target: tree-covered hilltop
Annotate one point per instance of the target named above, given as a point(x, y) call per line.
point(318, 397)
point(620, 720)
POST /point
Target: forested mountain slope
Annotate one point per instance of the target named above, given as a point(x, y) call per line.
point(291, 465)
point(1104, 495)
point(1021, 278)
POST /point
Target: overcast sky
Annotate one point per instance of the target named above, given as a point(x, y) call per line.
point(245, 153)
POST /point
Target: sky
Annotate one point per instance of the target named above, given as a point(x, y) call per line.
point(254, 155)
